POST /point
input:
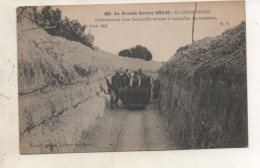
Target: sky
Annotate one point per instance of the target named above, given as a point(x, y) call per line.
point(161, 37)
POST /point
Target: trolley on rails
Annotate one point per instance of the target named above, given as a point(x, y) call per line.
point(131, 97)
point(135, 97)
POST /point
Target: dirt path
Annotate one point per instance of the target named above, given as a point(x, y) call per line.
point(124, 130)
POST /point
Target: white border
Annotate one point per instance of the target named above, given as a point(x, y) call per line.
point(209, 158)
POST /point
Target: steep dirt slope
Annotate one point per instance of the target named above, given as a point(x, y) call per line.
point(61, 87)
point(204, 92)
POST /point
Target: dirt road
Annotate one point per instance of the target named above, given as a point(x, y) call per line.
point(123, 130)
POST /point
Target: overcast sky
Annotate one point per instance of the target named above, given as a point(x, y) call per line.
point(162, 38)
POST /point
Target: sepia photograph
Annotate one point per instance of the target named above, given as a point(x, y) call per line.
point(132, 77)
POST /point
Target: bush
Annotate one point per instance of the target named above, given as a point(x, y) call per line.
point(125, 53)
point(137, 52)
point(47, 17)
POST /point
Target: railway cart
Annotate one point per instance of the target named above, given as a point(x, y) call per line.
point(136, 97)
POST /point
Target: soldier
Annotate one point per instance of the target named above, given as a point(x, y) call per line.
point(126, 78)
point(156, 88)
point(121, 71)
point(128, 73)
point(141, 74)
point(126, 84)
point(146, 83)
point(117, 83)
point(144, 78)
point(135, 80)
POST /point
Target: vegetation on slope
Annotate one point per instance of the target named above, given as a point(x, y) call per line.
point(204, 92)
point(56, 26)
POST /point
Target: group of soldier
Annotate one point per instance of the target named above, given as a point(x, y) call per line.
point(123, 79)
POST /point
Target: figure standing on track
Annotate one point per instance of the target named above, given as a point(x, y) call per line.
point(117, 83)
point(146, 83)
point(126, 84)
point(145, 80)
point(156, 88)
point(135, 80)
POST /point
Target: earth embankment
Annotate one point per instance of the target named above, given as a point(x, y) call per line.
point(204, 92)
point(61, 85)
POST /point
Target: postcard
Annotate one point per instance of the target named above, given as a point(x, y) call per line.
point(132, 77)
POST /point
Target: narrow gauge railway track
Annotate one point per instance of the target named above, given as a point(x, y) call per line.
point(122, 129)
point(145, 132)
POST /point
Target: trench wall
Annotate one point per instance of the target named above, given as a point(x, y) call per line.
point(204, 92)
point(61, 86)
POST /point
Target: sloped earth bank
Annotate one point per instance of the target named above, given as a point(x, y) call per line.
point(124, 130)
point(204, 92)
point(61, 87)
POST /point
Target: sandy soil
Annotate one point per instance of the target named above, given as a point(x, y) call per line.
point(57, 78)
point(127, 130)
